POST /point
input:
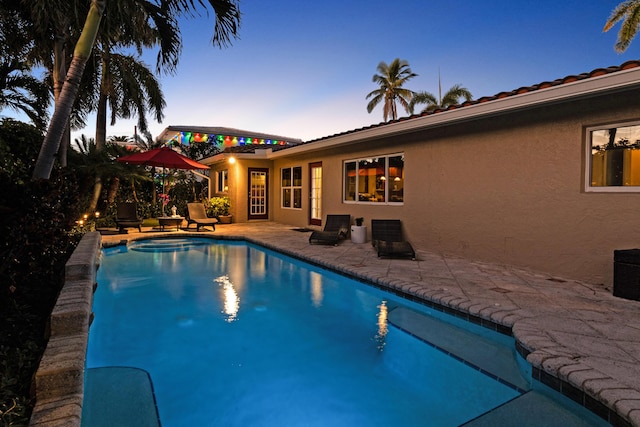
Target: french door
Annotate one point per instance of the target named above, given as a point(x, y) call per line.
point(258, 193)
point(315, 193)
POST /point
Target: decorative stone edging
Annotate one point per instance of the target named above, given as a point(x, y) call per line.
point(59, 381)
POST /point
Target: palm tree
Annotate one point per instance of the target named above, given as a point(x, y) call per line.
point(19, 89)
point(391, 78)
point(452, 97)
point(146, 141)
point(129, 88)
point(629, 13)
point(227, 19)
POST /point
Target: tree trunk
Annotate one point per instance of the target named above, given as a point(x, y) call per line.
point(133, 191)
point(64, 104)
point(101, 140)
point(60, 61)
point(113, 190)
point(97, 190)
point(64, 146)
point(101, 113)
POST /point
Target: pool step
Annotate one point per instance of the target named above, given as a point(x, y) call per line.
point(119, 396)
point(534, 409)
point(494, 359)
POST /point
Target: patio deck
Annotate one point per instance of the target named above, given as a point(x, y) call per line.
point(579, 338)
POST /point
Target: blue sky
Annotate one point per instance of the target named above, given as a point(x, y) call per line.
point(303, 69)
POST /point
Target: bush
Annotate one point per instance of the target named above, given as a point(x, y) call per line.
point(37, 229)
point(217, 206)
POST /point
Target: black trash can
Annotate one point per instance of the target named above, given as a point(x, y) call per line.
point(626, 274)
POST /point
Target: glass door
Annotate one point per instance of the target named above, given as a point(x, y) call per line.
point(258, 193)
point(315, 193)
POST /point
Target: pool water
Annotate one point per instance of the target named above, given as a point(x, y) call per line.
point(232, 334)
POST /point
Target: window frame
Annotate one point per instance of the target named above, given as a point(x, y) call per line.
point(222, 181)
point(292, 188)
point(387, 180)
point(588, 156)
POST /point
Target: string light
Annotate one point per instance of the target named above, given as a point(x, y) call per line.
point(186, 138)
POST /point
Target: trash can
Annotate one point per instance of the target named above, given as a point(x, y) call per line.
point(358, 233)
point(626, 274)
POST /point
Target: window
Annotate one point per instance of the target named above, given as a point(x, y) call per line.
point(374, 179)
point(613, 158)
point(291, 184)
point(223, 185)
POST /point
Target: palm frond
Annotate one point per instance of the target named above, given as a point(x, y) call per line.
point(629, 13)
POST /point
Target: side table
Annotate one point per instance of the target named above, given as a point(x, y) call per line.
point(170, 221)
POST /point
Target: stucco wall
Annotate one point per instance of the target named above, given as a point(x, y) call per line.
point(507, 189)
point(238, 185)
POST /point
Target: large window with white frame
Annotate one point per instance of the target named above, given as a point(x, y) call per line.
point(291, 184)
point(613, 158)
point(378, 179)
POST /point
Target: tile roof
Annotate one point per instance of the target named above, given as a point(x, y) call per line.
point(241, 149)
point(521, 90)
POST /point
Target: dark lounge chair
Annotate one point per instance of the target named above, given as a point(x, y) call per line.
point(198, 216)
point(386, 237)
point(335, 229)
point(127, 217)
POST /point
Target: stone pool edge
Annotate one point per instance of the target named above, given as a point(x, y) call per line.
point(59, 381)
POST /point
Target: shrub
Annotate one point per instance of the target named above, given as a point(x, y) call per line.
point(36, 229)
point(217, 206)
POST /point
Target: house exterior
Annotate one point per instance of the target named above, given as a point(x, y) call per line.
point(544, 177)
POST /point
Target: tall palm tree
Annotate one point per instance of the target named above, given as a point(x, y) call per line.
point(126, 85)
point(391, 78)
point(129, 88)
point(629, 13)
point(451, 97)
point(227, 19)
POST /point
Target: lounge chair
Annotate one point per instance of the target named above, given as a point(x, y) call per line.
point(127, 217)
point(386, 237)
point(335, 229)
point(198, 216)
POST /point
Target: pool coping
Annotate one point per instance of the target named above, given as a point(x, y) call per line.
point(59, 381)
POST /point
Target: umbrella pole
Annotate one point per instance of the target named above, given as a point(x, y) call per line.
point(162, 202)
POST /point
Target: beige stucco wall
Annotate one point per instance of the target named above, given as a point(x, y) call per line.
point(507, 189)
point(237, 181)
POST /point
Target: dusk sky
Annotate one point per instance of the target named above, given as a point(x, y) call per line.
point(303, 69)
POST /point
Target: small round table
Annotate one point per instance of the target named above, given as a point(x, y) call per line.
point(170, 221)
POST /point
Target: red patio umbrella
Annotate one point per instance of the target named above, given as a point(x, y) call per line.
point(163, 157)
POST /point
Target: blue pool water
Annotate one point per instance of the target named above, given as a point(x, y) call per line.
point(235, 335)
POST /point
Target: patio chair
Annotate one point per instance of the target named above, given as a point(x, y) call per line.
point(386, 237)
point(198, 216)
point(127, 217)
point(335, 229)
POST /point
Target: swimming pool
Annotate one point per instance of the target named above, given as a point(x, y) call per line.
point(235, 335)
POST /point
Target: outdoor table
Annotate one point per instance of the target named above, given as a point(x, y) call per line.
point(170, 221)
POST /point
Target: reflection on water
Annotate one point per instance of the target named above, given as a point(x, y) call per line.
point(316, 289)
point(230, 298)
point(382, 325)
